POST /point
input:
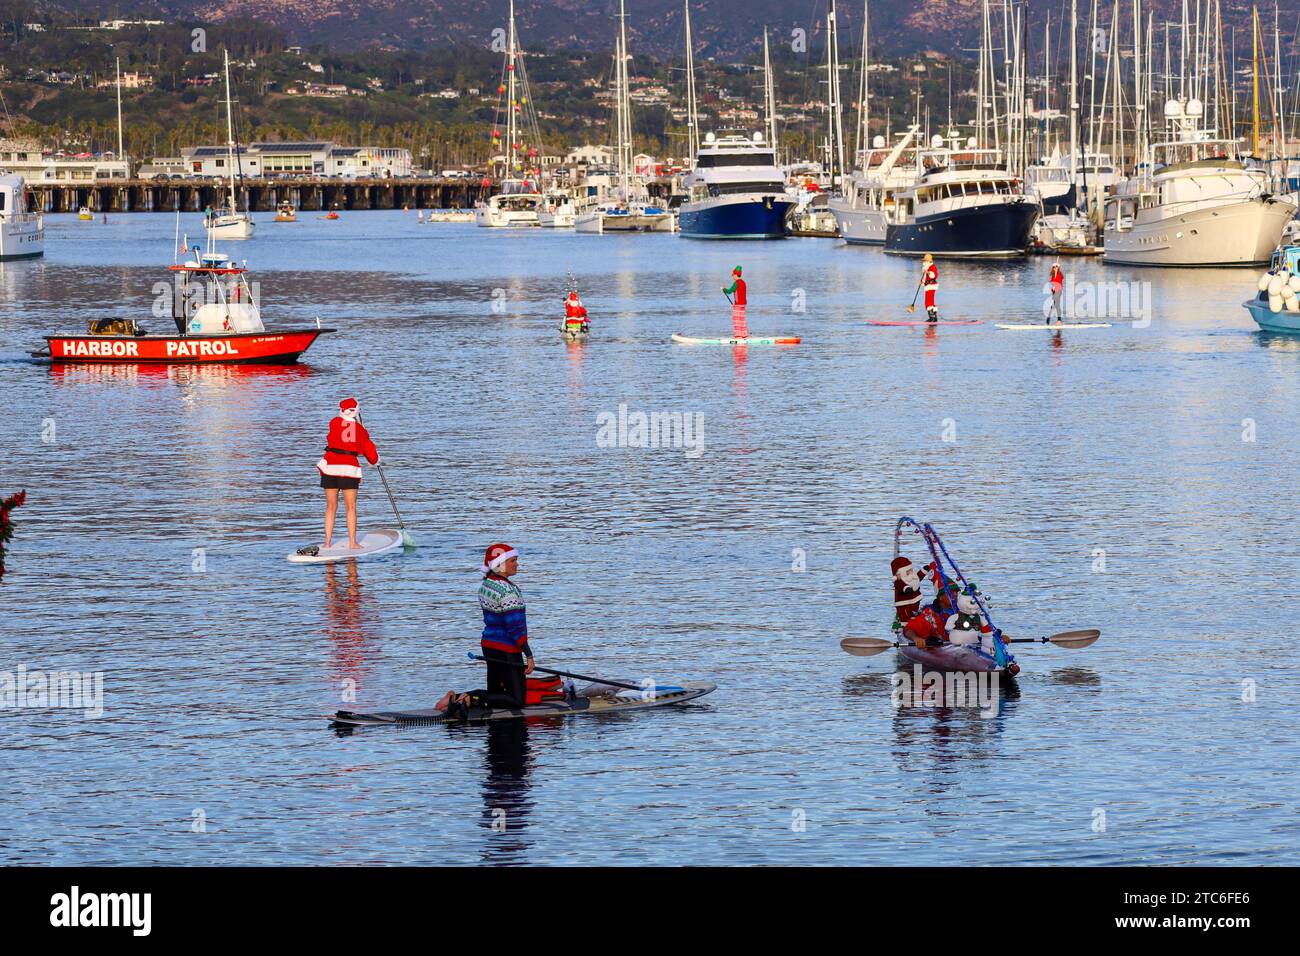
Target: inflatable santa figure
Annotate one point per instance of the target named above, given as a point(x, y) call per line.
point(918, 624)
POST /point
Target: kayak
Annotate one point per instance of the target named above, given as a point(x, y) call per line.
point(372, 545)
point(923, 322)
point(1067, 325)
point(596, 699)
point(752, 340)
point(952, 657)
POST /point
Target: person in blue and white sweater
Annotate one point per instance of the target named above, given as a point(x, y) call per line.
point(505, 629)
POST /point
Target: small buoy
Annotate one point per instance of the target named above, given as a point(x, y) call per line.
point(1275, 285)
point(1275, 303)
point(1264, 280)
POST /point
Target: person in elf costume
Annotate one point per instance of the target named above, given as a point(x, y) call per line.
point(739, 327)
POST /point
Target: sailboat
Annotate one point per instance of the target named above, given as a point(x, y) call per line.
point(229, 223)
point(518, 197)
point(629, 209)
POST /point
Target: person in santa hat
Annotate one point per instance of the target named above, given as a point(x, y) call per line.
point(505, 629)
point(739, 327)
point(340, 466)
point(930, 285)
point(575, 315)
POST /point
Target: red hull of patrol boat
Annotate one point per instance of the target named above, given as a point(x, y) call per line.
point(270, 348)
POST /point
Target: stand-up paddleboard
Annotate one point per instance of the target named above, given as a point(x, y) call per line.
point(1067, 325)
point(923, 322)
point(372, 545)
point(589, 701)
point(752, 340)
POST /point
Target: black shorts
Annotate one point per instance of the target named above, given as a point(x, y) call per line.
point(339, 481)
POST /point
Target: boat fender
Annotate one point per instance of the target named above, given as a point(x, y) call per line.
point(1294, 282)
point(1275, 286)
point(1275, 303)
point(1292, 304)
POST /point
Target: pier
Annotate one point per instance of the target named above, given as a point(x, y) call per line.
point(306, 193)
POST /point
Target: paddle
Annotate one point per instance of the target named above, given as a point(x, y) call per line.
point(912, 308)
point(407, 540)
point(544, 670)
point(870, 646)
point(724, 292)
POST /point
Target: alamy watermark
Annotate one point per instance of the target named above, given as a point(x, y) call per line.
point(71, 690)
point(977, 690)
point(1100, 300)
point(626, 429)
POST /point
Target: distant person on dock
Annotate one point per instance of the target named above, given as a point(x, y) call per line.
point(505, 629)
point(575, 315)
point(739, 327)
point(930, 285)
point(1056, 282)
point(340, 468)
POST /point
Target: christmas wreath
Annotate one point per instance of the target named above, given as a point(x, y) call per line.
point(6, 526)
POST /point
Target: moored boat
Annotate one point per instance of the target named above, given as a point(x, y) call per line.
point(285, 212)
point(217, 320)
point(1276, 305)
point(22, 232)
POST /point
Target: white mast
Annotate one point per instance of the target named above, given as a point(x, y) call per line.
point(120, 151)
point(769, 96)
point(864, 91)
point(692, 119)
point(1074, 93)
point(836, 158)
point(512, 124)
point(1139, 94)
point(230, 134)
point(624, 121)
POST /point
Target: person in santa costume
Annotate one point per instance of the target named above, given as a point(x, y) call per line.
point(739, 327)
point(505, 629)
point(340, 466)
point(575, 315)
point(930, 285)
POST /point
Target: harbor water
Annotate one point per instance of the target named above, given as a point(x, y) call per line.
point(1130, 478)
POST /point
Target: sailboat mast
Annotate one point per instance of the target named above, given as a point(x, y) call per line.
point(836, 158)
point(1074, 94)
point(624, 121)
point(120, 150)
point(1139, 95)
point(692, 119)
point(864, 99)
point(230, 134)
point(1254, 72)
point(769, 96)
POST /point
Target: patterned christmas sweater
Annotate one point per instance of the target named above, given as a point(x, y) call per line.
point(505, 627)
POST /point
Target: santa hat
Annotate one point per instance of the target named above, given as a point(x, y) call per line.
point(497, 555)
point(898, 565)
point(574, 295)
point(348, 409)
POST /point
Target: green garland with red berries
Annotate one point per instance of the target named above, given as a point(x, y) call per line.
point(7, 526)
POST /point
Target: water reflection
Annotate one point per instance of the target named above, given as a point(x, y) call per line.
point(351, 616)
point(507, 792)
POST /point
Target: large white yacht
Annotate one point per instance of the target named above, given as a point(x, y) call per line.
point(22, 232)
point(869, 202)
point(1193, 203)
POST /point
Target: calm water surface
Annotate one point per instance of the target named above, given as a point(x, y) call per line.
point(641, 562)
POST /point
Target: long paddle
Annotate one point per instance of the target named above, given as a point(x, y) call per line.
point(915, 295)
point(595, 680)
point(870, 646)
point(407, 540)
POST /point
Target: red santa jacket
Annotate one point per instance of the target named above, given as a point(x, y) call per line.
point(574, 309)
point(930, 278)
point(346, 441)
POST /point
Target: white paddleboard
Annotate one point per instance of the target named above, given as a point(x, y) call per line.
point(752, 340)
point(372, 545)
point(1067, 325)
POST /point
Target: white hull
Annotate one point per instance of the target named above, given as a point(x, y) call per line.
point(561, 218)
point(860, 226)
point(23, 238)
point(601, 222)
point(505, 218)
point(231, 227)
point(1233, 234)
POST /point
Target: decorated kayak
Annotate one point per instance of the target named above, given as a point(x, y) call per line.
point(1058, 325)
point(752, 340)
point(592, 700)
point(952, 657)
point(372, 545)
point(923, 322)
